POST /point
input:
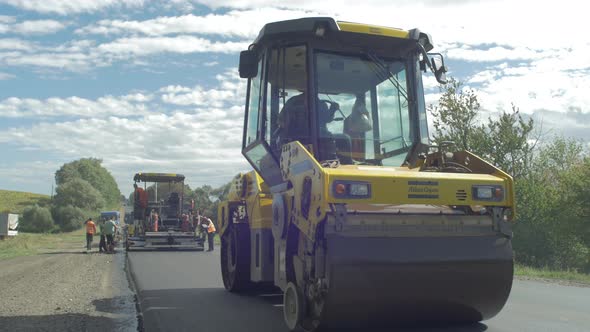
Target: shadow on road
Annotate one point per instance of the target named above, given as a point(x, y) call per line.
point(215, 309)
point(58, 322)
point(118, 305)
point(72, 252)
point(208, 309)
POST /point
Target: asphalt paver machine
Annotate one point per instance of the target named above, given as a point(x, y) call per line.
point(157, 221)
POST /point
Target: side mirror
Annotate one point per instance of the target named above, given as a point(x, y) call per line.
point(248, 64)
point(440, 69)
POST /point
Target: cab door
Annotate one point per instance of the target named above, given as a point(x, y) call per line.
point(255, 148)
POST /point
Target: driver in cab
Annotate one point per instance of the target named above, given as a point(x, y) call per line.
point(294, 125)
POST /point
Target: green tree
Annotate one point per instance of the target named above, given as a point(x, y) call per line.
point(68, 218)
point(552, 208)
point(455, 118)
point(505, 141)
point(78, 193)
point(203, 200)
point(36, 219)
point(92, 171)
point(221, 194)
point(552, 181)
point(510, 145)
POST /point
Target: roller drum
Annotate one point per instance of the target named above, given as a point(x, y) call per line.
point(413, 281)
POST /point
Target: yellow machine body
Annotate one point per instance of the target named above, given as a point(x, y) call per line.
point(350, 239)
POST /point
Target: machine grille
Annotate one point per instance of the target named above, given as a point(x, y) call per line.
point(461, 195)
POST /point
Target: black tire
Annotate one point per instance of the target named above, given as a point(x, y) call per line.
point(235, 258)
point(293, 307)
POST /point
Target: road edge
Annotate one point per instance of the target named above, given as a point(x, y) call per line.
point(134, 289)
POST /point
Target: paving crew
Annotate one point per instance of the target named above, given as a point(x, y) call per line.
point(90, 231)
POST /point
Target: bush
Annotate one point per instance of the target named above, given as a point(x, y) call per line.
point(68, 218)
point(36, 219)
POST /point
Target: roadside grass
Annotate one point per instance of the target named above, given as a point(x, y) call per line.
point(17, 201)
point(27, 244)
point(545, 273)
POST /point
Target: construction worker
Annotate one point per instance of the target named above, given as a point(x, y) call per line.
point(90, 231)
point(102, 247)
point(209, 227)
point(109, 230)
point(140, 201)
point(185, 223)
point(154, 220)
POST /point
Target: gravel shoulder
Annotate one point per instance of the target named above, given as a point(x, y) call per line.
point(66, 290)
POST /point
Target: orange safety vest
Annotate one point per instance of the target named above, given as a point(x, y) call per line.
point(90, 227)
point(211, 227)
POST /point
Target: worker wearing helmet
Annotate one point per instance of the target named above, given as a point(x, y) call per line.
point(208, 228)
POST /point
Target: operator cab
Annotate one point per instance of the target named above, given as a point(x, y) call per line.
point(348, 100)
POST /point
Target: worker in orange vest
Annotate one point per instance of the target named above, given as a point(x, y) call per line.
point(185, 223)
point(210, 232)
point(90, 231)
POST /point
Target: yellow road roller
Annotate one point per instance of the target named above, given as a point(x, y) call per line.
point(350, 211)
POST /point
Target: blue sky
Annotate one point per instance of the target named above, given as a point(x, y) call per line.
point(153, 86)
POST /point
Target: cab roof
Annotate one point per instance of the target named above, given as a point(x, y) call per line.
point(320, 26)
point(158, 177)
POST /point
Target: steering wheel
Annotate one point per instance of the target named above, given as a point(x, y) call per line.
point(334, 106)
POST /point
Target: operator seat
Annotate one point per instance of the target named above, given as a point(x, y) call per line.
point(173, 203)
point(294, 126)
point(332, 146)
point(293, 121)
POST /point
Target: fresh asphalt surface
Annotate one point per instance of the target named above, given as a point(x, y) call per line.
point(183, 291)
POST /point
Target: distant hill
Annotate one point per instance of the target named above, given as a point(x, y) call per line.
point(17, 201)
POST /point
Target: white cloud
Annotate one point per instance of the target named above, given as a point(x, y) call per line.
point(67, 61)
point(16, 45)
point(531, 88)
point(201, 141)
point(85, 55)
point(6, 76)
point(497, 53)
point(7, 19)
point(243, 24)
point(66, 7)
point(129, 105)
point(141, 46)
point(229, 93)
point(466, 21)
point(36, 175)
point(201, 144)
point(199, 97)
point(37, 27)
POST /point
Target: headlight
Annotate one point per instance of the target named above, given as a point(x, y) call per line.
point(484, 192)
point(488, 193)
point(351, 189)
